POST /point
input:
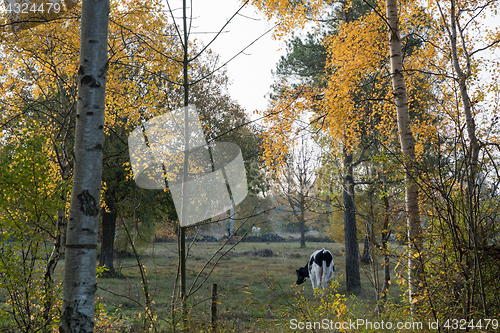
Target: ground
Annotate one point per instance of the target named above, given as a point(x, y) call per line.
point(249, 278)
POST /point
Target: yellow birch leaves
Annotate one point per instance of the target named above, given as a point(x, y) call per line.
point(357, 98)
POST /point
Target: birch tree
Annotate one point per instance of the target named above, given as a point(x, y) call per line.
point(407, 142)
point(81, 243)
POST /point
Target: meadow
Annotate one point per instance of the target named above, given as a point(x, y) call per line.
point(255, 281)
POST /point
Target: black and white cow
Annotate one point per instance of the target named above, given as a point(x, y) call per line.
point(319, 269)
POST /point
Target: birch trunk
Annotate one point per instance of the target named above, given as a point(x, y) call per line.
point(415, 271)
point(81, 240)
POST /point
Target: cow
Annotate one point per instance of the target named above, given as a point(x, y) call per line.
point(319, 269)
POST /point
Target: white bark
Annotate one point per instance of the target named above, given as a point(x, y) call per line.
point(408, 148)
point(81, 243)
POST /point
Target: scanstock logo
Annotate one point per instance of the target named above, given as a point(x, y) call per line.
point(170, 151)
point(24, 14)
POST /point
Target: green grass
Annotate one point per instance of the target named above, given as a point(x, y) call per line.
point(248, 285)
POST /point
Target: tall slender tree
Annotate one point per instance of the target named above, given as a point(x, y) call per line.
point(186, 83)
point(81, 242)
point(407, 141)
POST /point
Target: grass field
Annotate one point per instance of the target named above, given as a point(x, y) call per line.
point(254, 280)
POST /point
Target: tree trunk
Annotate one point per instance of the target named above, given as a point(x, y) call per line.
point(182, 230)
point(302, 222)
point(367, 248)
point(108, 241)
point(351, 237)
point(415, 269)
point(366, 258)
point(81, 242)
point(385, 250)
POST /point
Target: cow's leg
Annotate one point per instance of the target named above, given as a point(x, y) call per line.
point(329, 274)
point(320, 278)
point(314, 275)
point(313, 280)
point(326, 275)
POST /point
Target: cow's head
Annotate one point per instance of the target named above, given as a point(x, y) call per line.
point(302, 274)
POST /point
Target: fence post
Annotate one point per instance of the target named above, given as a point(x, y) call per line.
point(214, 307)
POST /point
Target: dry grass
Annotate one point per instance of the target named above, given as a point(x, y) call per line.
point(245, 276)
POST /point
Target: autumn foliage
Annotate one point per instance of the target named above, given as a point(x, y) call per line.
point(345, 107)
point(452, 99)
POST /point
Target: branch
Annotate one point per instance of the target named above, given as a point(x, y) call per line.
point(220, 31)
point(145, 42)
point(237, 54)
point(175, 25)
point(193, 290)
point(486, 47)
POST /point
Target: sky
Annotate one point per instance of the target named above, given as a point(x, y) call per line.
point(250, 72)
